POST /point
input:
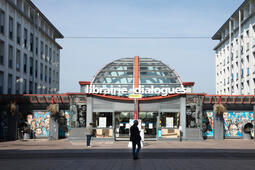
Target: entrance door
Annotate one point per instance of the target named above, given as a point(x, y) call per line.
point(149, 124)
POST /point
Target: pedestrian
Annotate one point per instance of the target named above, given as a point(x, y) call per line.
point(136, 139)
point(89, 134)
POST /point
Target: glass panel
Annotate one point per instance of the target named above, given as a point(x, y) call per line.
point(122, 124)
point(169, 125)
point(149, 120)
point(102, 119)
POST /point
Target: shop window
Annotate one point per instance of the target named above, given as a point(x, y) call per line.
point(122, 123)
point(103, 124)
point(169, 124)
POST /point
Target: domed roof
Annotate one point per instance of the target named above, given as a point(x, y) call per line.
point(121, 73)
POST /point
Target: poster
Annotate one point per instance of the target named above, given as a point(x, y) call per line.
point(169, 122)
point(159, 133)
point(102, 122)
point(150, 125)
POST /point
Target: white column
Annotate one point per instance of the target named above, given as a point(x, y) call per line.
point(239, 53)
point(230, 52)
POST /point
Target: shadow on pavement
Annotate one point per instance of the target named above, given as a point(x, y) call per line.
point(243, 154)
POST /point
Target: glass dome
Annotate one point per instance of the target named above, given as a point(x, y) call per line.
point(120, 74)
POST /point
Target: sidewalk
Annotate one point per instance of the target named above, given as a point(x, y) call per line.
point(64, 144)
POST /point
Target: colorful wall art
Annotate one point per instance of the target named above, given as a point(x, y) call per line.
point(40, 123)
point(233, 123)
point(208, 119)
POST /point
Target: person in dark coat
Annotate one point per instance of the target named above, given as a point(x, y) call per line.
point(136, 139)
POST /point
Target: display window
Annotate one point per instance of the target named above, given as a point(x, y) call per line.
point(169, 125)
point(102, 123)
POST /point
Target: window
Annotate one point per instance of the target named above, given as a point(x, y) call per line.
point(45, 76)
point(25, 38)
point(241, 73)
point(1, 52)
point(25, 63)
point(18, 33)
point(49, 75)
point(248, 71)
point(31, 42)
point(10, 28)
point(1, 82)
point(10, 57)
point(46, 52)
point(35, 88)
point(31, 63)
point(50, 55)
point(17, 84)
point(19, 4)
point(41, 72)
point(30, 87)
point(2, 20)
point(97, 116)
point(41, 51)
point(18, 60)
point(25, 86)
point(36, 46)
point(9, 84)
point(36, 68)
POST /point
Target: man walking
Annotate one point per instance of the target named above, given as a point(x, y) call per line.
point(136, 139)
point(89, 134)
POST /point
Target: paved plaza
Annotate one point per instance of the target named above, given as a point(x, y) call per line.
point(62, 154)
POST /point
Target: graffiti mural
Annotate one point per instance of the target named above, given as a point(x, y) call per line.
point(234, 122)
point(40, 123)
point(208, 120)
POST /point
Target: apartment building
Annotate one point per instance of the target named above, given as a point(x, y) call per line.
point(235, 53)
point(29, 53)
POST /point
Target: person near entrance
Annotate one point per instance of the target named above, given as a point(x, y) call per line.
point(89, 134)
point(136, 139)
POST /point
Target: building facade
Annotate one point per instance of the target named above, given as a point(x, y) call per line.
point(29, 53)
point(162, 116)
point(235, 53)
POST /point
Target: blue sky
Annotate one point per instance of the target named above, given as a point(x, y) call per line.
point(193, 59)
